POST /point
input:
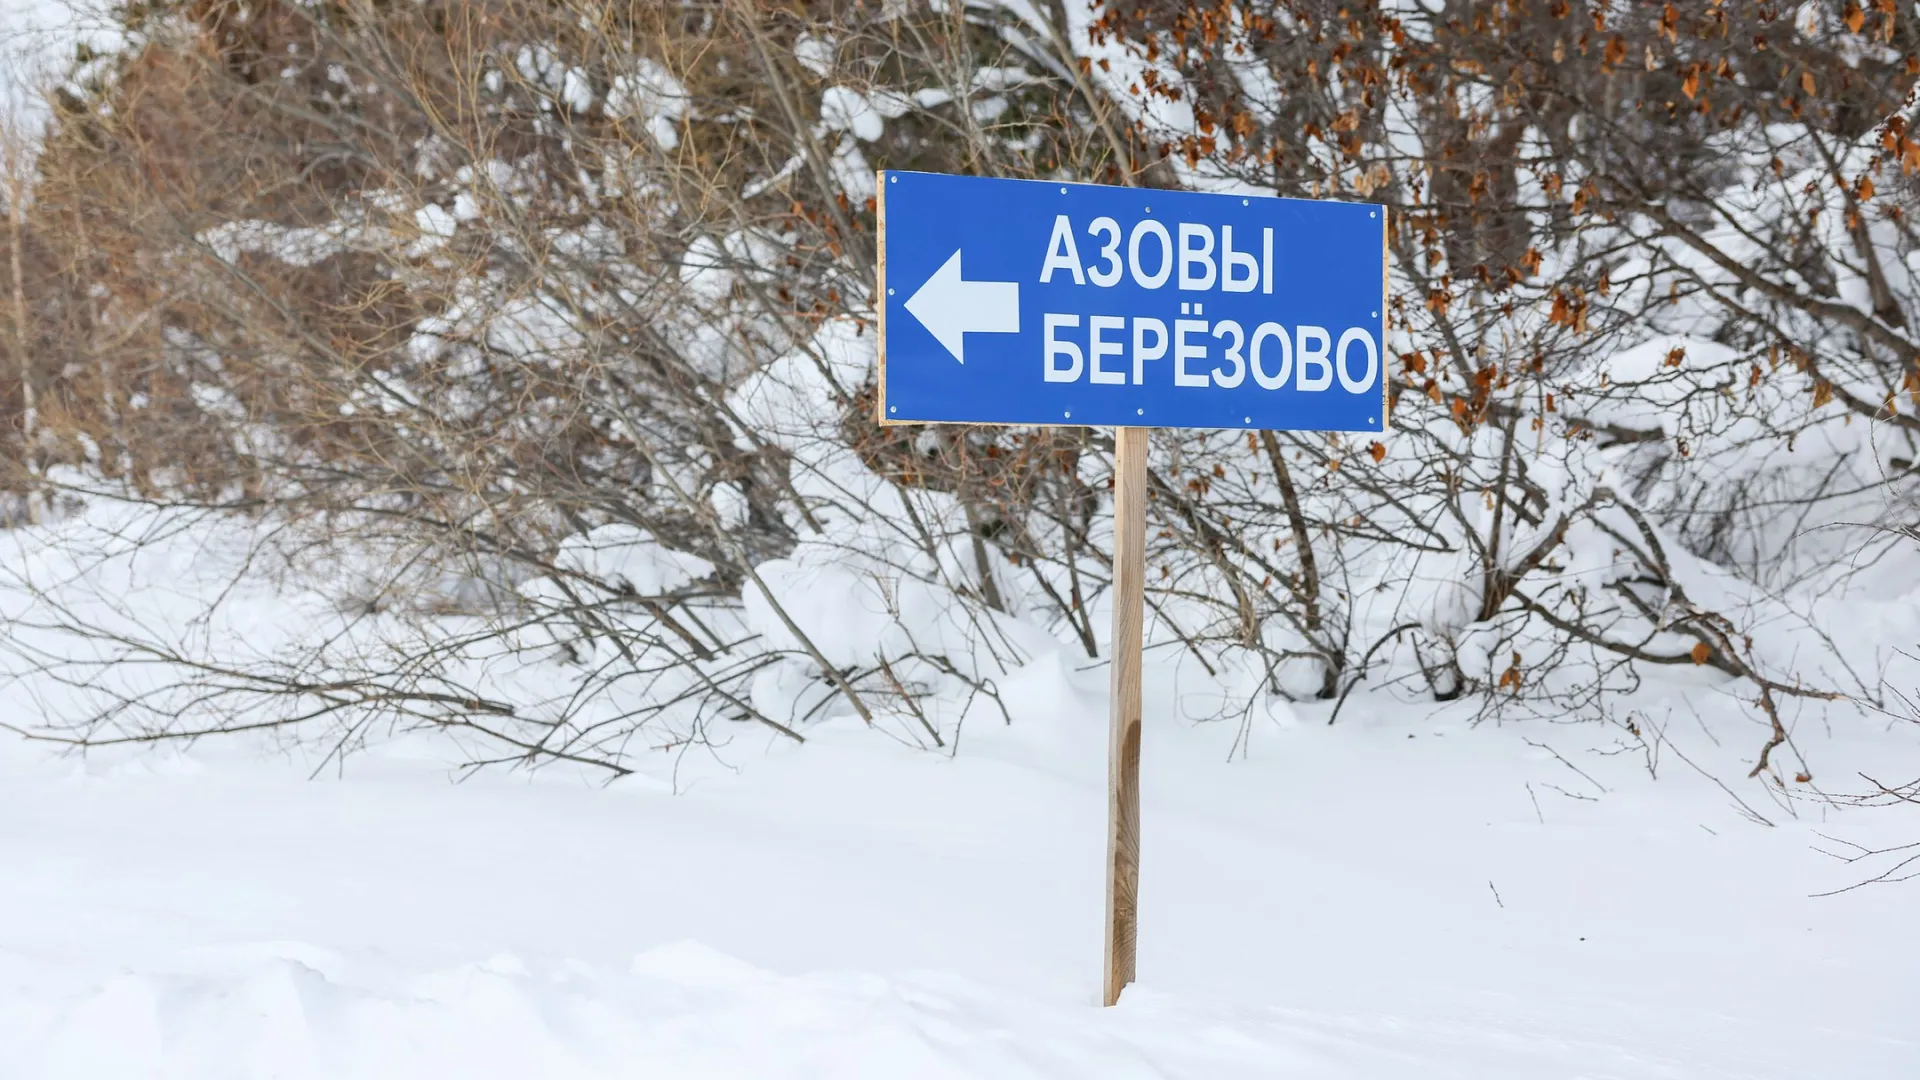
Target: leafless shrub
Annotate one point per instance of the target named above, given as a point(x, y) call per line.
point(492, 289)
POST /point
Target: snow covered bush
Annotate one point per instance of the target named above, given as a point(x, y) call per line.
point(549, 323)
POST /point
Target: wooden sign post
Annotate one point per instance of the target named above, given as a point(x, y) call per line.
point(1123, 747)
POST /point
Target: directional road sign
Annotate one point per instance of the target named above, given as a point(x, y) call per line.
point(1030, 302)
point(1034, 302)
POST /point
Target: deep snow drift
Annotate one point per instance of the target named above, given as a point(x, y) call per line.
point(1400, 895)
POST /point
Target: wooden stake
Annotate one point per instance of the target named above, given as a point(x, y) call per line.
point(1123, 748)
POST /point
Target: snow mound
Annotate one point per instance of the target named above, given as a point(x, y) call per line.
point(687, 1011)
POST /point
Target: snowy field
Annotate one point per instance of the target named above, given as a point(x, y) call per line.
point(1406, 895)
point(1402, 895)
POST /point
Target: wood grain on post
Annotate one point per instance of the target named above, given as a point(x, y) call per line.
point(1123, 751)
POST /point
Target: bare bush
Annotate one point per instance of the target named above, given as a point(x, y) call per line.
point(564, 311)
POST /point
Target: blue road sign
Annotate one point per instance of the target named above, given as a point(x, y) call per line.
point(1033, 302)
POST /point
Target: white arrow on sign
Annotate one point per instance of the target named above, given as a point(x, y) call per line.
point(951, 307)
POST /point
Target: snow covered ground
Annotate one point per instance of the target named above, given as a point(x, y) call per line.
point(1399, 896)
point(1403, 896)
point(36, 38)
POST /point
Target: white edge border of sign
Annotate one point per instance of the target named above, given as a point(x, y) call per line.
point(880, 327)
point(880, 299)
